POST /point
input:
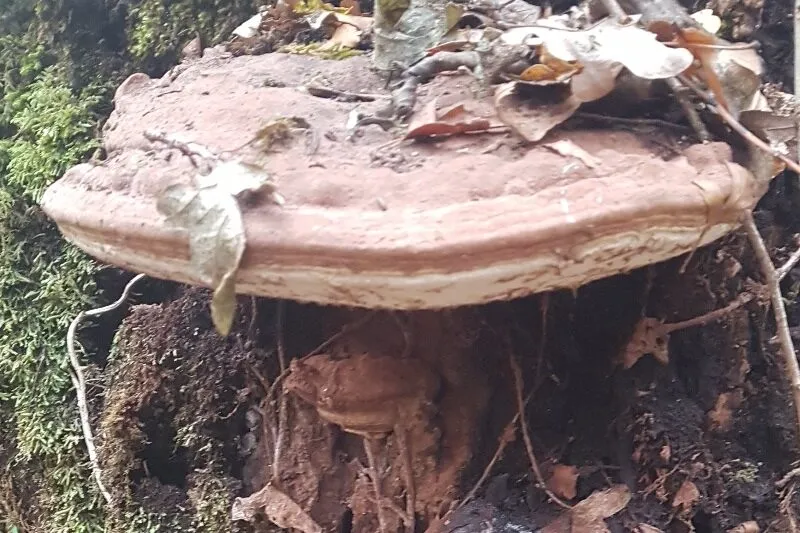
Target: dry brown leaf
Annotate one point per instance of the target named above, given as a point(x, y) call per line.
point(720, 417)
point(430, 122)
point(588, 515)
point(647, 338)
point(278, 507)
point(550, 69)
point(209, 211)
point(708, 20)
point(563, 481)
point(687, 495)
point(568, 148)
point(529, 119)
point(603, 50)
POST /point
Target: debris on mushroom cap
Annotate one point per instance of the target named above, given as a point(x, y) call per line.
point(409, 226)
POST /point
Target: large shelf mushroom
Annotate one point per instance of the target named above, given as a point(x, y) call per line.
point(371, 223)
point(416, 226)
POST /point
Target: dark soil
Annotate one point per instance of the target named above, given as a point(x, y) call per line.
point(187, 420)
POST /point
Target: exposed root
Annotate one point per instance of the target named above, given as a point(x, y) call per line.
point(376, 484)
point(79, 382)
point(526, 435)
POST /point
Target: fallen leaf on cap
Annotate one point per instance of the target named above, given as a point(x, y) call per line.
point(530, 119)
point(603, 50)
point(209, 211)
point(563, 481)
point(687, 495)
point(431, 122)
point(588, 515)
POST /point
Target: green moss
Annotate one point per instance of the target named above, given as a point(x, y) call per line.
point(44, 283)
point(59, 64)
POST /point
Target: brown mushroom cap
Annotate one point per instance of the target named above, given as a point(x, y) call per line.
point(455, 226)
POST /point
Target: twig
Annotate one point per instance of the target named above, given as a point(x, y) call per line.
point(781, 323)
point(790, 263)
point(704, 319)
point(691, 113)
point(190, 149)
point(526, 435)
point(282, 414)
point(632, 121)
point(505, 438)
point(737, 126)
point(785, 480)
point(329, 92)
point(79, 382)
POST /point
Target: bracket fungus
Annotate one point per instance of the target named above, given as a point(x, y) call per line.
point(405, 226)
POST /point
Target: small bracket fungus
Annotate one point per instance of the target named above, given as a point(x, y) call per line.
point(409, 226)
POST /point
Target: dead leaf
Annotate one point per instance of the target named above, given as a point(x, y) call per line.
point(563, 481)
point(647, 338)
point(687, 495)
point(568, 148)
point(531, 120)
point(278, 507)
point(430, 122)
point(708, 20)
point(210, 213)
point(588, 516)
point(720, 418)
point(345, 36)
point(249, 28)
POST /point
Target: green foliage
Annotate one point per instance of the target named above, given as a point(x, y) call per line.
point(158, 29)
point(44, 283)
point(59, 63)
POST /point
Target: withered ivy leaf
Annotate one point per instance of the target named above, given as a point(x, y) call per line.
point(210, 213)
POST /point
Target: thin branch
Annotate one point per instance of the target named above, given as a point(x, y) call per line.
point(79, 382)
point(781, 323)
point(689, 110)
point(738, 127)
point(790, 263)
point(711, 316)
point(526, 434)
point(505, 439)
